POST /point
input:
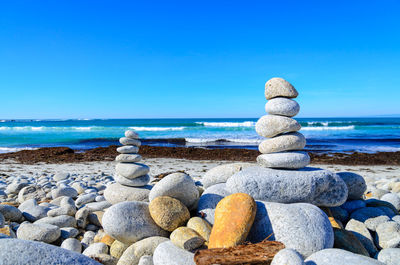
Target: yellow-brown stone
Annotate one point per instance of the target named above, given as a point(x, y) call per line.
point(6, 230)
point(186, 238)
point(201, 226)
point(233, 218)
point(335, 223)
point(117, 249)
point(168, 213)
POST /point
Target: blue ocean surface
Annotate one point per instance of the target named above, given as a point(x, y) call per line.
point(323, 134)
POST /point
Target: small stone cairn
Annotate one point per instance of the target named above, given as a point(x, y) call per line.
point(128, 172)
point(282, 149)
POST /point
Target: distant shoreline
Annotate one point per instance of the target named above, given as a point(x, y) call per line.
point(68, 155)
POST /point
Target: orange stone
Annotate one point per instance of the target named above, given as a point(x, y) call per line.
point(335, 223)
point(107, 239)
point(233, 218)
point(7, 231)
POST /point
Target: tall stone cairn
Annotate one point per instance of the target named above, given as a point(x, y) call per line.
point(283, 147)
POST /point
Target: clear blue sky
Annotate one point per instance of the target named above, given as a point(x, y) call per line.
point(141, 59)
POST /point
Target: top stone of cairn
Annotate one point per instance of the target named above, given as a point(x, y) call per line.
point(279, 87)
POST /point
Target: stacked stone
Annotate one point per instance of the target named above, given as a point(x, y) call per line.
point(128, 172)
point(283, 148)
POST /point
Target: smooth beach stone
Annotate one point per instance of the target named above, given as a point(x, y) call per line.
point(131, 134)
point(388, 235)
point(287, 160)
point(392, 198)
point(61, 176)
point(372, 223)
point(209, 199)
point(179, 186)
point(311, 185)
point(85, 198)
point(88, 238)
point(81, 217)
point(339, 257)
point(132, 254)
point(72, 244)
point(355, 184)
point(129, 141)
point(136, 182)
point(284, 142)
point(131, 170)
point(146, 260)
point(389, 256)
point(64, 191)
point(95, 217)
point(348, 241)
point(16, 251)
point(69, 232)
point(186, 238)
point(168, 213)
point(129, 222)
point(128, 149)
point(16, 186)
point(282, 106)
point(351, 206)
point(272, 125)
point(31, 192)
point(95, 248)
point(362, 233)
point(233, 219)
point(366, 213)
point(168, 254)
point(128, 158)
point(279, 87)
point(201, 226)
point(2, 221)
point(38, 232)
point(220, 174)
point(116, 193)
point(67, 208)
point(98, 206)
point(299, 226)
point(32, 211)
point(117, 248)
point(60, 221)
point(287, 256)
point(10, 213)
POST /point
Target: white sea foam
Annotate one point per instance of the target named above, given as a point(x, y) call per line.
point(228, 124)
point(212, 140)
point(325, 128)
point(157, 128)
point(14, 149)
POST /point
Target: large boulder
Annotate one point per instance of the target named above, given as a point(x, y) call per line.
point(311, 185)
point(339, 257)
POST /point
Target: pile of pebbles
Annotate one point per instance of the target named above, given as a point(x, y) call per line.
point(321, 217)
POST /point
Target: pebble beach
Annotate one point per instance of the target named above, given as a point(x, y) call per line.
point(177, 211)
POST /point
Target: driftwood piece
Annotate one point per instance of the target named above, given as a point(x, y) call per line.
point(250, 254)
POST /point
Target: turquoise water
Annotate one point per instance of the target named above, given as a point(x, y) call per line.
point(323, 134)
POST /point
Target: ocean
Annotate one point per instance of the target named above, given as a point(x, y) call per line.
point(323, 134)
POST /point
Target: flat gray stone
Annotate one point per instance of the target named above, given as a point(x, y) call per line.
point(128, 149)
point(72, 244)
point(64, 191)
point(10, 213)
point(220, 174)
point(31, 192)
point(282, 106)
point(131, 170)
point(129, 222)
point(141, 248)
point(389, 256)
point(69, 232)
point(95, 248)
point(128, 158)
point(299, 226)
point(129, 141)
point(279, 87)
point(168, 254)
point(284, 142)
point(85, 198)
point(311, 185)
point(355, 184)
point(32, 211)
point(361, 231)
point(131, 134)
point(98, 206)
point(284, 160)
point(339, 257)
point(16, 251)
point(369, 215)
point(38, 232)
point(272, 125)
point(287, 256)
point(179, 186)
point(388, 235)
point(61, 176)
point(136, 182)
point(60, 221)
point(116, 193)
point(209, 199)
point(392, 198)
